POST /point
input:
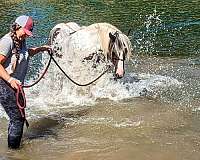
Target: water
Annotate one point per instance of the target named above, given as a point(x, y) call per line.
point(152, 113)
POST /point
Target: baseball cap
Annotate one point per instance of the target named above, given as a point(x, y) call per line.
point(26, 22)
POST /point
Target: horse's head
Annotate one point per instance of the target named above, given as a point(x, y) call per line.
point(118, 52)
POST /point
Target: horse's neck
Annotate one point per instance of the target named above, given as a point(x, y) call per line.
point(103, 30)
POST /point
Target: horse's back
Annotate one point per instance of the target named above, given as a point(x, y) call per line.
point(72, 27)
point(105, 27)
point(67, 27)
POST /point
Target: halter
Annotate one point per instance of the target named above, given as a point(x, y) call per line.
point(119, 59)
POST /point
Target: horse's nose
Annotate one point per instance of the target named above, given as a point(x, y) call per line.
point(119, 73)
point(118, 76)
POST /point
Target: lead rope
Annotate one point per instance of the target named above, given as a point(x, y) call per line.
point(42, 75)
point(78, 84)
point(21, 103)
point(20, 95)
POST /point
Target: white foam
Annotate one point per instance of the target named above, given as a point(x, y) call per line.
point(47, 95)
point(50, 95)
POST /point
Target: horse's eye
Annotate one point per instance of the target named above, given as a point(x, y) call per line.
point(126, 50)
point(124, 56)
point(113, 54)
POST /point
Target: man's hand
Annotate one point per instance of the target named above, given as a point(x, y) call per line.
point(14, 82)
point(46, 48)
point(35, 50)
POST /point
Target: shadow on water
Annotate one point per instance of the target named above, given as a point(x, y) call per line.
point(48, 126)
point(42, 129)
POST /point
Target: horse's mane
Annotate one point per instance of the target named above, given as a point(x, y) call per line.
point(103, 31)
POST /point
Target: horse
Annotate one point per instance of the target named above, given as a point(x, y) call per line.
point(88, 41)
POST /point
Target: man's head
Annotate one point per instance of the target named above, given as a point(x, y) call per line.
point(26, 22)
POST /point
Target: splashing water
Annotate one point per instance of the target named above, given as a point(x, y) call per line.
point(56, 91)
point(145, 39)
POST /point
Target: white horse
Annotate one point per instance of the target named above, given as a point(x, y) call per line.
point(87, 41)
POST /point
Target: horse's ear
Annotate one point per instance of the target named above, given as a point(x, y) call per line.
point(112, 37)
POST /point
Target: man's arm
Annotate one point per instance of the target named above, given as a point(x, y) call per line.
point(33, 51)
point(4, 74)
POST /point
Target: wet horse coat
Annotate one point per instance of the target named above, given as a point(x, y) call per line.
point(86, 40)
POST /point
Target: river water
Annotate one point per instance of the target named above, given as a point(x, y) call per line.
point(152, 113)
